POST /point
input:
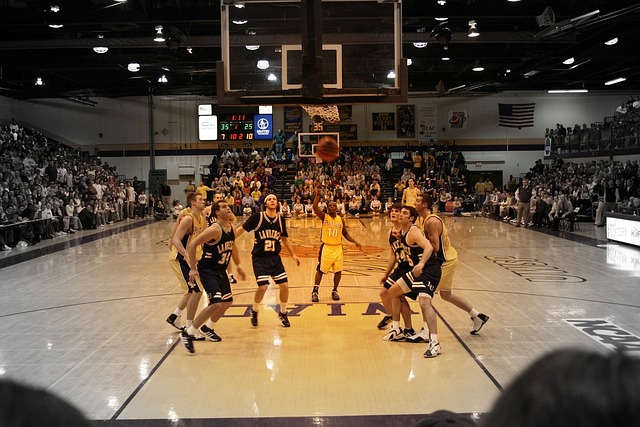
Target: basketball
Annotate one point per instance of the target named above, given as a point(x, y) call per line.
point(328, 149)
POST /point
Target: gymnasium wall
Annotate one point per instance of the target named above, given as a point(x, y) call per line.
point(119, 128)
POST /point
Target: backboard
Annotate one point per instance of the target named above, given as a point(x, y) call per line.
point(295, 52)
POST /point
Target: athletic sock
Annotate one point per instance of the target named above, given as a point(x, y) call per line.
point(283, 307)
point(395, 324)
point(425, 326)
point(255, 306)
point(433, 338)
point(473, 313)
point(191, 330)
point(189, 323)
point(210, 324)
point(177, 312)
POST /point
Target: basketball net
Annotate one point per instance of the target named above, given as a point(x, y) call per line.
point(328, 113)
point(547, 18)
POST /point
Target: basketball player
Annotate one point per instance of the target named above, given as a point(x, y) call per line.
point(422, 278)
point(217, 197)
point(436, 232)
point(218, 242)
point(331, 256)
point(270, 233)
point(396, 268)
point(410, 193)
point(188, 226)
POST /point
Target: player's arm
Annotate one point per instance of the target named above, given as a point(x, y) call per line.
point(316, 208)
point(287, 244)
point(390, 264)
point(176, 240)
point(175, 227)
point(417, 237)
point(433, 229)
point(213, 232)
point(404, 196)
point(235, 255)
point(347, 236)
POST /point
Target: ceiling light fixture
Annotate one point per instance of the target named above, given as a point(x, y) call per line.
point(391, 75)
point(252, 46)
point(442, 2)
point(477, 66)
point(55, 8)
point(190, 50)
point(611, 42)
point(134, 67)
point(409, 61)
point(420, 45)
point(272, 77)
point(56, 26)
point(568, 91)
point(614, 81)
point(159, 37)
point(569, 61)
point(239, 5)
point(39, 81)
point(445, 58)
point(120, 1)
point(240, 21)
point(441, 18)
point(101, 49)
point(163, 79)
point(263, 64)
point(513, 1)
point(473, 30)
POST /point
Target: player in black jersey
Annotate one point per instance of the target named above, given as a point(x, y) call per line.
point(218, 197)
point(422, 278)
point(270, 233)
point(217, 250)
point(396, 269)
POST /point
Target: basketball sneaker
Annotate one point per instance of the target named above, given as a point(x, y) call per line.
point(187, 341)
point(434, 350)
point(197, 336)
point(384, 322)
point(478, 322)
point(172, 321)
point(284, 319)
point(254, 318)
point(210, 333)
point(420, 337)
point(335, 296)
point(393, 335)
point(408, 334)
point(232, 279)
point(314, 297)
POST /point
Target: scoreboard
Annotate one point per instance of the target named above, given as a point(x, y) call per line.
point(235, 127)
point(229, 125)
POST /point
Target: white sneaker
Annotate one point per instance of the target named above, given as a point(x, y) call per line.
point(434, 350)
point(393, 335)
point(420, 337)
point(478, 322)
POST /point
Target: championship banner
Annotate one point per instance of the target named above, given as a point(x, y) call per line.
point(406, 121)
point(383, 121)
point(457, 119)
point(427, 123)
point(292, 121)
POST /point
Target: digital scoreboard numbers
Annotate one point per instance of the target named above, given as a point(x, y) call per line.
point(235, 127)
point(229, 125)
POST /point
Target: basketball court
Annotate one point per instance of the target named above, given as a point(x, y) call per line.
point(85, 319)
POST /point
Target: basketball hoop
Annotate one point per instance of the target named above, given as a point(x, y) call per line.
point(547, 18)
point(328, 113)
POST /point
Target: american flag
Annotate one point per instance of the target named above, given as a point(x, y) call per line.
point(516, 115)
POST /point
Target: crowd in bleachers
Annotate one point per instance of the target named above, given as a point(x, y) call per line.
point(568, 190)
point(618, 131)
point(49, 189)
